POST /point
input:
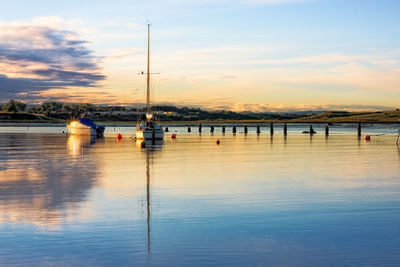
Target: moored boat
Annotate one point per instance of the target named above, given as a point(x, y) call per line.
point(85, 126)
point(149, 129)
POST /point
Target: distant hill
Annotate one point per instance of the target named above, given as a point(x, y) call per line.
point(344, 116)
point(54, 112)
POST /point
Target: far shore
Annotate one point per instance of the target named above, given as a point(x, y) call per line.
point(228, 123)
point(189, 117)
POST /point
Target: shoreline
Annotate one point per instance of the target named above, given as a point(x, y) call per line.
point(196, 123)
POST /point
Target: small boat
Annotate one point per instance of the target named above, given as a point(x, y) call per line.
point(85, 126)
point(149, 129)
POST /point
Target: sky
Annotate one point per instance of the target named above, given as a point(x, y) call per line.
point(256, 55)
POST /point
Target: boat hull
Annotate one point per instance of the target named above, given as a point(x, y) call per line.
point(76, 128)
point(149, 134)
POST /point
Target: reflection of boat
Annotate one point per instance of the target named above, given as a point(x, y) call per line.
point(77, 143)
point(85, 126)
point(149, 129)
point(151, 144)
point(41, 188)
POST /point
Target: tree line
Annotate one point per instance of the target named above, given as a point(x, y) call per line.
point(68, 111)
point(53, 107)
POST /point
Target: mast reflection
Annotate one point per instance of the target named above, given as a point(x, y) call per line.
point(148, 199)
point(150, 147)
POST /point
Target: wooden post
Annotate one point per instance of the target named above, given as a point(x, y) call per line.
point(271, 128)
point(223, 129)
point(285, 129)
point(189, 130)
point(326, 130)
point(311, 130)
point(245, 129)
point(212, 129)
point(200, 128)
point(234, 129)
point(166, 130)
point(258, 130)
point(359, 130)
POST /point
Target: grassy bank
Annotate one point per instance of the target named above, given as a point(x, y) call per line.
point(23, 117)
point(326, 117)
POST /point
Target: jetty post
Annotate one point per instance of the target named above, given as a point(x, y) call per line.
point(223, 129)
point(189, 130)
point(326, 130)
point(234, 129)
point(271, 128)
point(212, 129)
point(359, 129)
point(200, 128)
point(285, 129)
point(245, 129)
point(312, 130)
point(258, 129)
point(166, 129)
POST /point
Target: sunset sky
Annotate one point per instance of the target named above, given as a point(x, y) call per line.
point(259, 55)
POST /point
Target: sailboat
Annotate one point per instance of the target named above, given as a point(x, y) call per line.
point(149, 129)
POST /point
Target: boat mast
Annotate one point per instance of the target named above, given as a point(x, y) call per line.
point(148, 71)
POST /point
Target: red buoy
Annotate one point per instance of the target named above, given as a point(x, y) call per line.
point(367, 137)
point(119, 136)
point(173, 136)
point(218, 142)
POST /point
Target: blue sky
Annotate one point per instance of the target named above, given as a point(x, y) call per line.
point(242, 55)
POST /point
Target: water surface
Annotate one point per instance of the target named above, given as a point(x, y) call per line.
point(250, 201)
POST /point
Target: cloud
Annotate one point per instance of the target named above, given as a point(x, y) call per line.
point(118, 54)
point(35, 57)
point(228, 77)
point(70, 75)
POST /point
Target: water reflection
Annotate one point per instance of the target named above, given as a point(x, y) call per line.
point(150, 148)
point(77, 144)
point(192, 202)
point(151, 144)
point(38, 183)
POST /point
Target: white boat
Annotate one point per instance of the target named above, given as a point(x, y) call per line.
point(149, 129)
point(85, 126)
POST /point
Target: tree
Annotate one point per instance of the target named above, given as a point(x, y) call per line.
point(14, 106)
point(50, 107)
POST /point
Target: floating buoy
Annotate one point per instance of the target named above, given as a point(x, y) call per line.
point(367, 137)
point(119, 136)
point(218, 142)
point(173, 136)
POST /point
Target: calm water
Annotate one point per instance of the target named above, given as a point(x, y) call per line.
point(293, 128)
point(251, 201)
